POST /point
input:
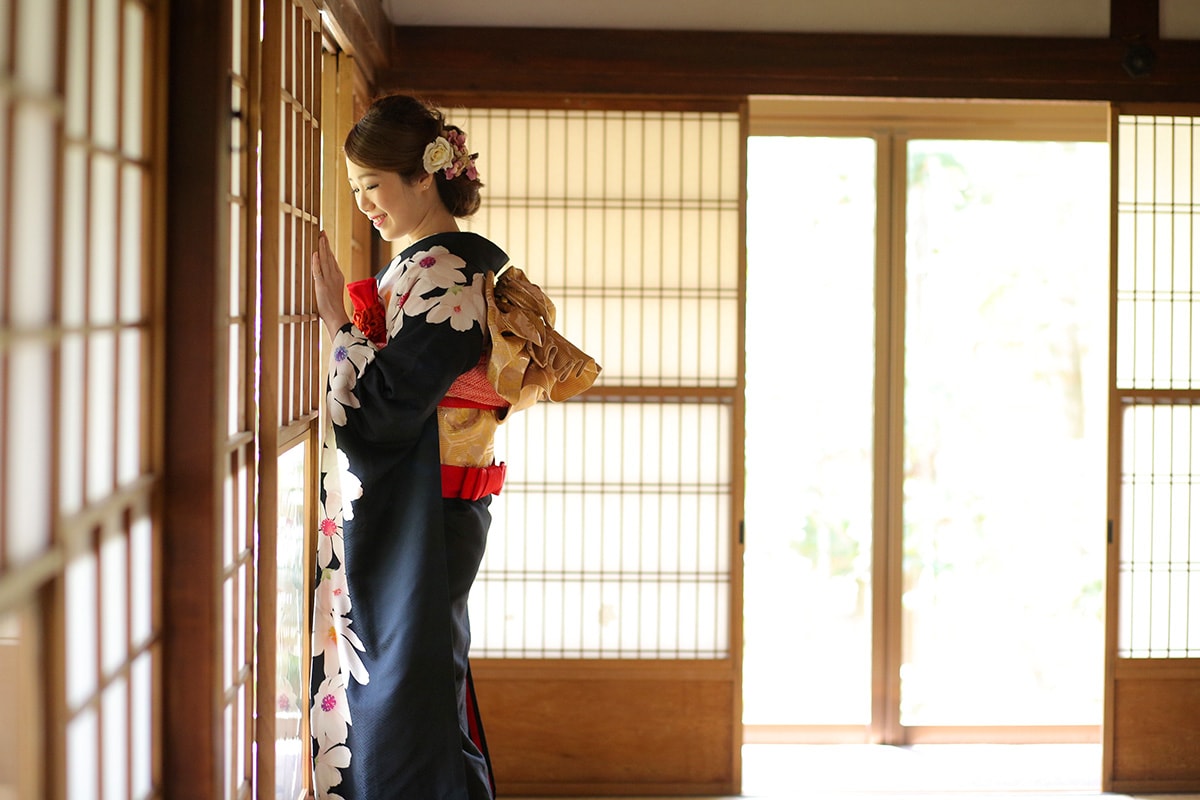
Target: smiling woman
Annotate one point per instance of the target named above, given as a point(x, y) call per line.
point(407, 474)
point(394, 206)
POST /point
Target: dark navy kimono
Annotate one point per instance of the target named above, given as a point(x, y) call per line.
point(392, 707)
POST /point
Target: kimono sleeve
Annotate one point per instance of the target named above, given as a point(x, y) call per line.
point(384, 395)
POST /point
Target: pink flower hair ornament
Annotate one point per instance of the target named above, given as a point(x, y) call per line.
point(448, 153)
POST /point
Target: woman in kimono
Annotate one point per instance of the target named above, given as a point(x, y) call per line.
point(407, 474)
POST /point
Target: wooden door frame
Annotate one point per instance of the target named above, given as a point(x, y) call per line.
point(892, 125)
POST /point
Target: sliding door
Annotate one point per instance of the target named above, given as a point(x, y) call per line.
point(289, 343)
point(81, 468)
point(926, 338)
point(1152, 699)
point(606, 635)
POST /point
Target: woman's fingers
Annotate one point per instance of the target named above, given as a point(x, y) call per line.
point(323, 258)
point(329, 285)
point(318, 256)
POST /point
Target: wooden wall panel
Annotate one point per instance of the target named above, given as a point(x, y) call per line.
point(616, 721)
point(1156, 732)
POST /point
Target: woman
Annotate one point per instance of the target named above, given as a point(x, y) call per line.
point(402, 537)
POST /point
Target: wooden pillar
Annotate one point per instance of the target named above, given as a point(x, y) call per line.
point(197, 250)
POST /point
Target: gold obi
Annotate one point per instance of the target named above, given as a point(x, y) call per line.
point(466, 436)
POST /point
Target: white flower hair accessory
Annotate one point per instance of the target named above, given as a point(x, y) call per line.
point(448, 152)
point(438, 155)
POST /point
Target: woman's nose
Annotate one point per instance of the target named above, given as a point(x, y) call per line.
point(364, 202)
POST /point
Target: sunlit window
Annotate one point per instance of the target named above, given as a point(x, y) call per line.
point(1000, 391)
point(1005, 433)
point(810, 355)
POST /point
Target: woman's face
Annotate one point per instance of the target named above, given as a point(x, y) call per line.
point(395, 207)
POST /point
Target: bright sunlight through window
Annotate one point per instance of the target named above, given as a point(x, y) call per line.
point(1005, 278)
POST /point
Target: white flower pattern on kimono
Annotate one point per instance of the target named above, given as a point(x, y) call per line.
point(436, 267)
point(424, 272)
point(336, 642)
point(352, 352)
point(395, 314)
point(348, 487)
point(327, 768)
point(328, 452)
point(341, 397)
point(332, 637)
point(330, 712)
point(330, 542)
point(334, 597)
point(462, 305)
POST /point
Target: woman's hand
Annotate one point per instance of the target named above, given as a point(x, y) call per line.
point(329, 287)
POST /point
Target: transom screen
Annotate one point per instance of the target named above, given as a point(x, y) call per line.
point(613, 534)
point(1158, 373)
point(1159, 178)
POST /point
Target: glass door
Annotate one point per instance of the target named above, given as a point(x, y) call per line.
point(1005, 431)
point(810, 317)
point(926, 373)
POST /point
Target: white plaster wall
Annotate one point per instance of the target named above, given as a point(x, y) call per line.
point(1087, 18)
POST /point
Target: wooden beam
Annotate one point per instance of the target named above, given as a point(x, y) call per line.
point(360, 28)
point(1133, 20)
point(196, 355)
point(1134, 23)
point(703, 64)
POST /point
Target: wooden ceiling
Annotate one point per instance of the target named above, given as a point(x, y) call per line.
point(576, 65)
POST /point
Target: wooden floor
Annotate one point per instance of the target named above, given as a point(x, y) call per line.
point(939, 772)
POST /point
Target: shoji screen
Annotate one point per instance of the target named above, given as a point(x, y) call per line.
point(612, 536)
point(612, 575)
point(1158, 360)
point(289, 346)
point(1154, 570)
point(79, 603)
point(239, 460)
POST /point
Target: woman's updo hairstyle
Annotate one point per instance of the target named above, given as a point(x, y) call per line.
point(392, 136)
